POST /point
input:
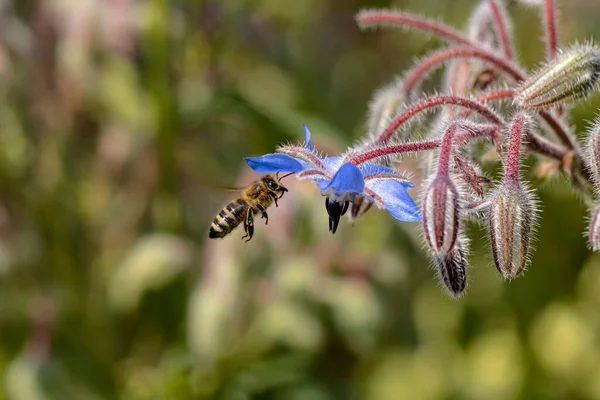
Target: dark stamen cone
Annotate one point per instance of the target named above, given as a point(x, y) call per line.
point(511, 216)
point(441, 215)
point(452, 268)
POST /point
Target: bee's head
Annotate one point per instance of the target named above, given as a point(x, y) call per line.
point(273, 184)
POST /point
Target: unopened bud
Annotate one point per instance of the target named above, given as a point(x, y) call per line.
point(383, 108)
point(572, 75)
point(594, 229)
point(511, 217)
point(452, 268)
point(441, 215)
point(593, 151)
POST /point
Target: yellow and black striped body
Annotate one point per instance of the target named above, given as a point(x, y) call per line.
point(255, 199)
point(229, 218)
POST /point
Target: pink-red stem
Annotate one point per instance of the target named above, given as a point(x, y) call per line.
point(550, 19)
point(434, 102)
point(388, 17)
point(416, 146)
point(511, 168)
point(501, 28)
point(440, 56)
point(446, 150)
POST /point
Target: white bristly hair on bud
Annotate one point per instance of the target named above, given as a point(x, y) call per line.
point(572, 75)
point(512, 222)
point(593, 152)
point(383, 107)
point(452, 268)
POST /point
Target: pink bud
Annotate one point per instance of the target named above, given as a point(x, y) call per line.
point(594, 229)
point(441, 215)
point(593, 151)
point(512, 214)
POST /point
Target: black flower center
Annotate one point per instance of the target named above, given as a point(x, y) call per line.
point(335, 209)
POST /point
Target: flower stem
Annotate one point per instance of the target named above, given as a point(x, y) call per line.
point(394, 149)
point(501, 27)
point(446, 149)
point(375, 18)
point(511, 169)
point(470, 134)
point(550, 24)
point(440, 56)
point(434, 102)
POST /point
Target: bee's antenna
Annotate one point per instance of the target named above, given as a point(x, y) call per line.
point(285, 176)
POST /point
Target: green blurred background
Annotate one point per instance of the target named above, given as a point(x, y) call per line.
point(119, 121)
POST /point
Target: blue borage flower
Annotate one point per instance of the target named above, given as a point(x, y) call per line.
point(340, 181)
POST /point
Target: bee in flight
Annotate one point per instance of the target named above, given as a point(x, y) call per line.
point(255, 198)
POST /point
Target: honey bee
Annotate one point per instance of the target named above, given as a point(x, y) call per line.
point(255, 198)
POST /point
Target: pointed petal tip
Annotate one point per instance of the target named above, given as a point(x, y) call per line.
point(307, 137)
point(274, 163)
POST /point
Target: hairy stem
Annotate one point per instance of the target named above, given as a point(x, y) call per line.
point(550, 25)
point(403, 148)
point(435, 101)
point(394, 150)
point(441, 56)
point(446, 149)
point(511, 168)
point(545, 147)
point(501, 28)
point(375, 18)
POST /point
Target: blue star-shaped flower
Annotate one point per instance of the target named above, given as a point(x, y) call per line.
point(341, 181)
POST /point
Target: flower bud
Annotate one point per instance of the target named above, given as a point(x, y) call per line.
point(594, 229)
point(384, 107)
point(452, 268)
point(571, 75)
point(593, 151)
point(441, 215)
point(511, 217)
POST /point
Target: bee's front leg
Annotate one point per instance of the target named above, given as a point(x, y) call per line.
point(263, 212)
point(275, 198)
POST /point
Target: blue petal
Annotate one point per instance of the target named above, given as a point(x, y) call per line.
point(307, 137)
point(347, 182)
point(369, 169)
point(396, 199)
point(332, 163)
point(274, 163)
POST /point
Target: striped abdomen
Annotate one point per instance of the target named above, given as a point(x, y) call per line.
point(228, 218)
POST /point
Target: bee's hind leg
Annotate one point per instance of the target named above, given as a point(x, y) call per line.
point(263, 212)
point(249, 225)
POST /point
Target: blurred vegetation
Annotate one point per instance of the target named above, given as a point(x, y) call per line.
point(119, 118)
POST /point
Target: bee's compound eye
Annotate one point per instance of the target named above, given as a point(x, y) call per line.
point(272, 185)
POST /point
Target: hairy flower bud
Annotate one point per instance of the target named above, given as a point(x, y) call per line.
point(593, 151)
point(594, 229)
point(511, 218)
point(452, 268)
point(572, 75)
point(441, 215)
point(384, 107)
